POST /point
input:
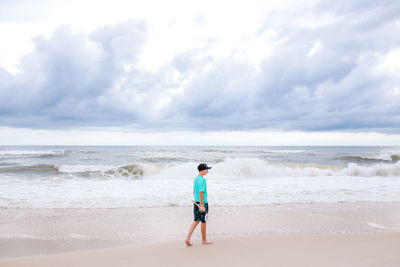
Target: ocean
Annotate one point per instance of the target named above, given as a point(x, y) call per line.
point(148, 176)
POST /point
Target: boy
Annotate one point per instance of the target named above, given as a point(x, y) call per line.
point(200, 197)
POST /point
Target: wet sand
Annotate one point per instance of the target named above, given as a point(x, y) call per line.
point(288, 250)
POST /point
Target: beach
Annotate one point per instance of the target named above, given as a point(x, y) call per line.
point(131, 206)
point(332, 234)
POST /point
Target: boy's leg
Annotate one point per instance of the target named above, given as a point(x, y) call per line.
point(204, 234)
point(191, 230)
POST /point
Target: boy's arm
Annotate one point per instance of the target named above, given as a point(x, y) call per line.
point(201, 202)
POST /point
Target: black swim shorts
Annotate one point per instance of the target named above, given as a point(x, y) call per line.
point(198, 215)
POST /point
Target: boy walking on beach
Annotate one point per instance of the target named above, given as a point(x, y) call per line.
point(201, 209)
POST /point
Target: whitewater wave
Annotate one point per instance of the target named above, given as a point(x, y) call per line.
point(258, 168)
point(229, 168)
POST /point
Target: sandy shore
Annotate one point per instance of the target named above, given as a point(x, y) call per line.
point(289, 250)
point(337, 234)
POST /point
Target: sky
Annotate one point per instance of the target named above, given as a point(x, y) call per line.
point(200, 73)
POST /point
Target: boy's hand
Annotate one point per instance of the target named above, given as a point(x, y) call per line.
point(202, 209)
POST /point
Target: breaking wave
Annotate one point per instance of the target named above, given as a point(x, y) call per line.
point(40, 153)
point(258, 168)
point(39, 168)
point(133, 171)
point(31, 153)
point(229, 168)
point(378, 158)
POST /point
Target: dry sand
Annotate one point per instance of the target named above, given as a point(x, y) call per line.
point(337, 234)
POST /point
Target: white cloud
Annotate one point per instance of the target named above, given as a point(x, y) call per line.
point(304, 65)
point(391, 62)
point(314, 49)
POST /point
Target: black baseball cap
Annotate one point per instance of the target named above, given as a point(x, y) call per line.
point(202, 167)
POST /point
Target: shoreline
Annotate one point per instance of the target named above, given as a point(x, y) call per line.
point(47, 232)
point(185, 206)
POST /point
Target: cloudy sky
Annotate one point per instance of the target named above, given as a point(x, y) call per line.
point(208, 72)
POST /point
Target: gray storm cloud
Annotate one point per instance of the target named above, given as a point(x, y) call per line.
point(325, 77)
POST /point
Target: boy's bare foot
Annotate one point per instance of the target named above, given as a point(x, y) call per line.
point(207, 243)
point(188, 243)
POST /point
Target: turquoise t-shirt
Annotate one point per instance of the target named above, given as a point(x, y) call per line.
point(200, 185)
